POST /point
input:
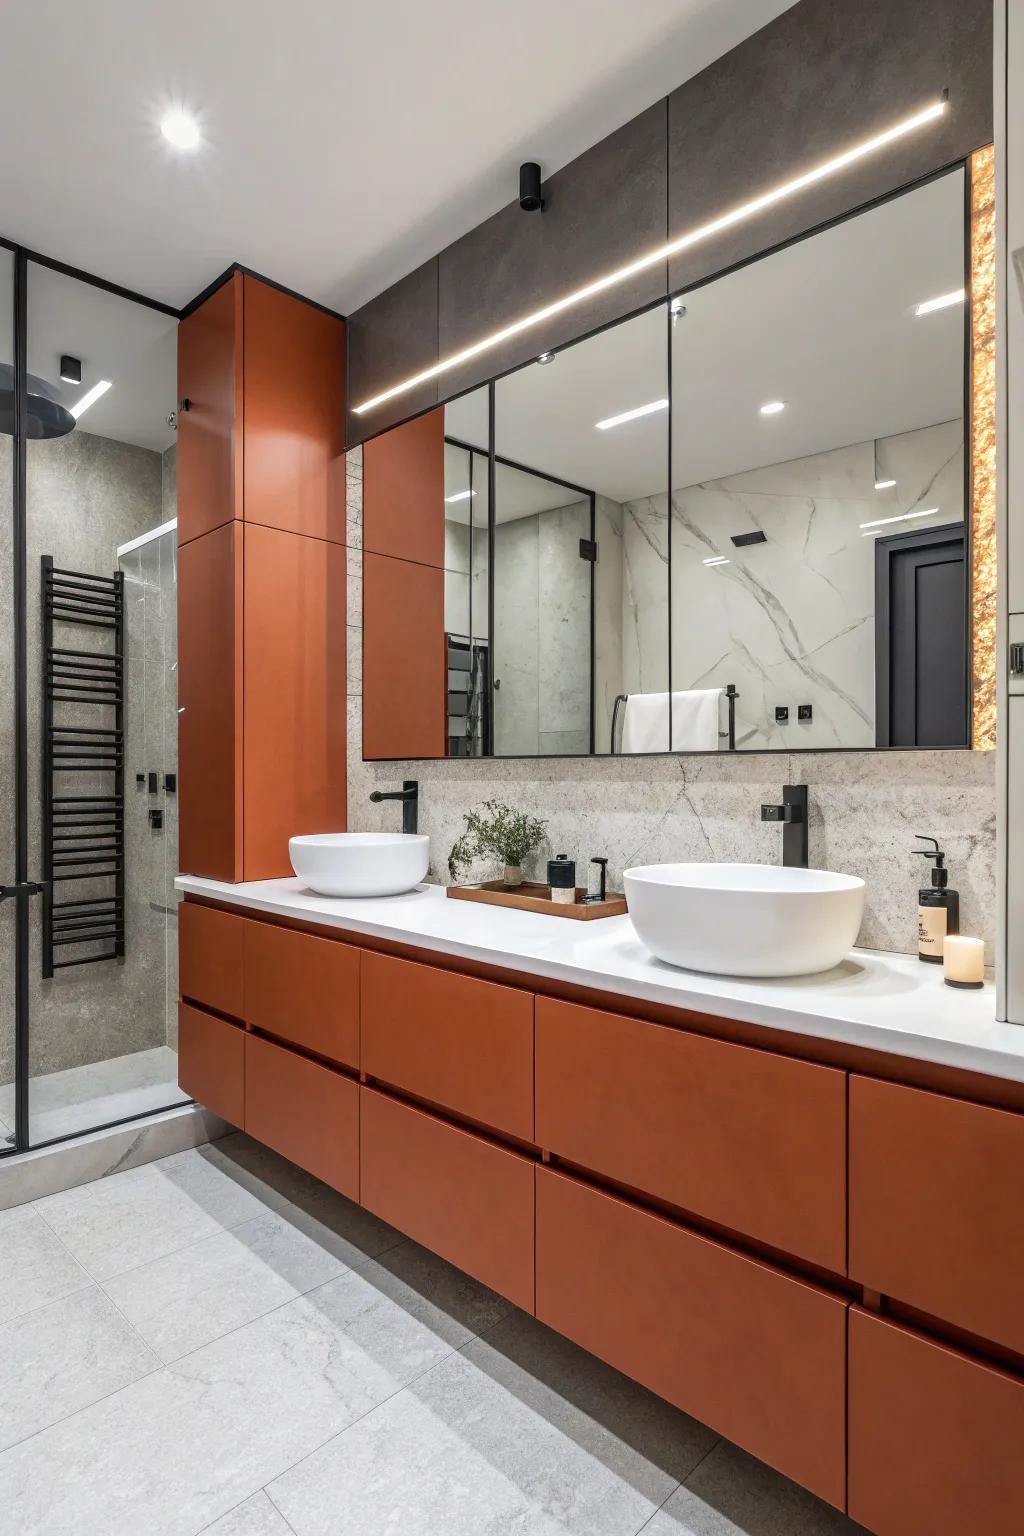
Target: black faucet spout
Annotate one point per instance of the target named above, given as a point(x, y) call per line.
point(792, 816)
point(409, 795)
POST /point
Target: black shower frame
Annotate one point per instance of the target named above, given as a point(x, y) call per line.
point(25, 888)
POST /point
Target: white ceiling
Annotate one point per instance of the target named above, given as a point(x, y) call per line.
point(343, 143)
point(827, 325)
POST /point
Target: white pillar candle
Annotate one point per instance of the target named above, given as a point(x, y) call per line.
point(963, 961)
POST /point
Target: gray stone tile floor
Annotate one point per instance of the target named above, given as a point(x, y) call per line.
point(218, 1343)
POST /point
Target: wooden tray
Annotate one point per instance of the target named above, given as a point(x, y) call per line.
point(531, 896)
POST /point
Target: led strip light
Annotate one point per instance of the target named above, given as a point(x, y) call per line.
point(684, 242)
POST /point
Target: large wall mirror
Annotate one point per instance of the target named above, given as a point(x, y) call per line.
point(733, 522)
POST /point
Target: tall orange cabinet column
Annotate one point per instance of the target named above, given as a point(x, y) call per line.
point(261, 579)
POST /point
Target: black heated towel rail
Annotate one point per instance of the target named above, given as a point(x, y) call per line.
point(83, 769)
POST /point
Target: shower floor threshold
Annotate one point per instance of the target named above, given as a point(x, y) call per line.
point(83, 1098)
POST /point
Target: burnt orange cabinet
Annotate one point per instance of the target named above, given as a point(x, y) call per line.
point(467, 1199)
point(211, 1067)
point(754, 1353)
point(405, 677)
point(303, 989)
point(261, 579)
point(294, 385)
point(936, 1203)
point(308, 1113)
point(934, 1436)
point(464, 1044)
point(749, 1140)
point(403, 491)
point(209, 458)
point(210, 963)
point(295, 694)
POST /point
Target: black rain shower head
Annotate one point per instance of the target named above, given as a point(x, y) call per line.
point(46, 417)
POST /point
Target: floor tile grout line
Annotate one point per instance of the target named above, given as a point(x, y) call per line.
point(455, 1349)
point(683, 1482)
point(280, 1512)
point(84, 1408)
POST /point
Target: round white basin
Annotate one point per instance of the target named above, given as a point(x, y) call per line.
point(745, 919)
point(360, 863)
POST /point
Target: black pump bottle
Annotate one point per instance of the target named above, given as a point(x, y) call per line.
point(938, 908)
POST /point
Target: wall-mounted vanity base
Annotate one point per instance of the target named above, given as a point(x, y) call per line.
point(816, 1259)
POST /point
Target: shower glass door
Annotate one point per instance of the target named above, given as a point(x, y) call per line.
point(9, 871)
point(97, 729)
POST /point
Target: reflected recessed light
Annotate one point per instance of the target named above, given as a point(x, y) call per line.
point(460, 496)
point(884, 485)
point(715, 560)
point(545, 357)
point(902, 517)
point(70, 369)
point(944, 301)
point(89, 398)
point(180, 129)
point(640, 410)
point(772, 407)
point(684, 242)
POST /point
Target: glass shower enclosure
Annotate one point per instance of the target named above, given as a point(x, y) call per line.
point(88, 825)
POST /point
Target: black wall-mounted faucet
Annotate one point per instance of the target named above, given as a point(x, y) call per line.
point(409, 794)
point(792, 814)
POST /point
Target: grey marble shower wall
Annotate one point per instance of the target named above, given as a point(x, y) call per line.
point(792, 620)
point(86, 495)
point(865, 806)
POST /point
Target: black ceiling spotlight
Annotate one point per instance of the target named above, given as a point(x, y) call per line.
point(45, 416)
point(530, 199)
point(70, 368)
point(741, 540)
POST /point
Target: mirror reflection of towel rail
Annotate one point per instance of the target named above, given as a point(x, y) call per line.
point(729, 734)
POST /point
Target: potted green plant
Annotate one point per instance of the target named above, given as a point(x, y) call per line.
point(500, 832)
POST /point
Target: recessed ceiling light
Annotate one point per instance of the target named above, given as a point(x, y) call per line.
point(944, 301)
point(460, 496)
point(89, 398)
point(639, 410)
point(684, 242)
point(70, 369)
point(180, 129)
point(545, 357)
point(902, 517)
point(884, 485)
point(715, 560)
point(772, 407)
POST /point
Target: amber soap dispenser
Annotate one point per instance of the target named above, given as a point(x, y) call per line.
point(938, 908)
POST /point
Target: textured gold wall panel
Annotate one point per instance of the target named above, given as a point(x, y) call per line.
point(983, 450)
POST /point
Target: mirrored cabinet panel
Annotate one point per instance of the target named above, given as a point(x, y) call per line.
point(736, 521)
point(818, 473)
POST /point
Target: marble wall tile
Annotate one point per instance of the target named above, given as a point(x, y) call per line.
point(608, 616)
point(792, 621)
point(645, 595)
point(516, 647)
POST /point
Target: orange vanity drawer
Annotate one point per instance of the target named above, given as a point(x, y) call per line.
point(303, 989)
point(464, 1044)
point(754, 1353)
point(936, 1204)
point(934, 1436)
point(457, 1194)
point(749, 1140)
point(304, 1111)
point(211, 1062)
point(210, 957)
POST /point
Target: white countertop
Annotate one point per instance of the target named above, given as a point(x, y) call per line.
point(884, 1001)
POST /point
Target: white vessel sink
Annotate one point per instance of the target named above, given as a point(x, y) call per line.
point(745, 919)
point(360, 863)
